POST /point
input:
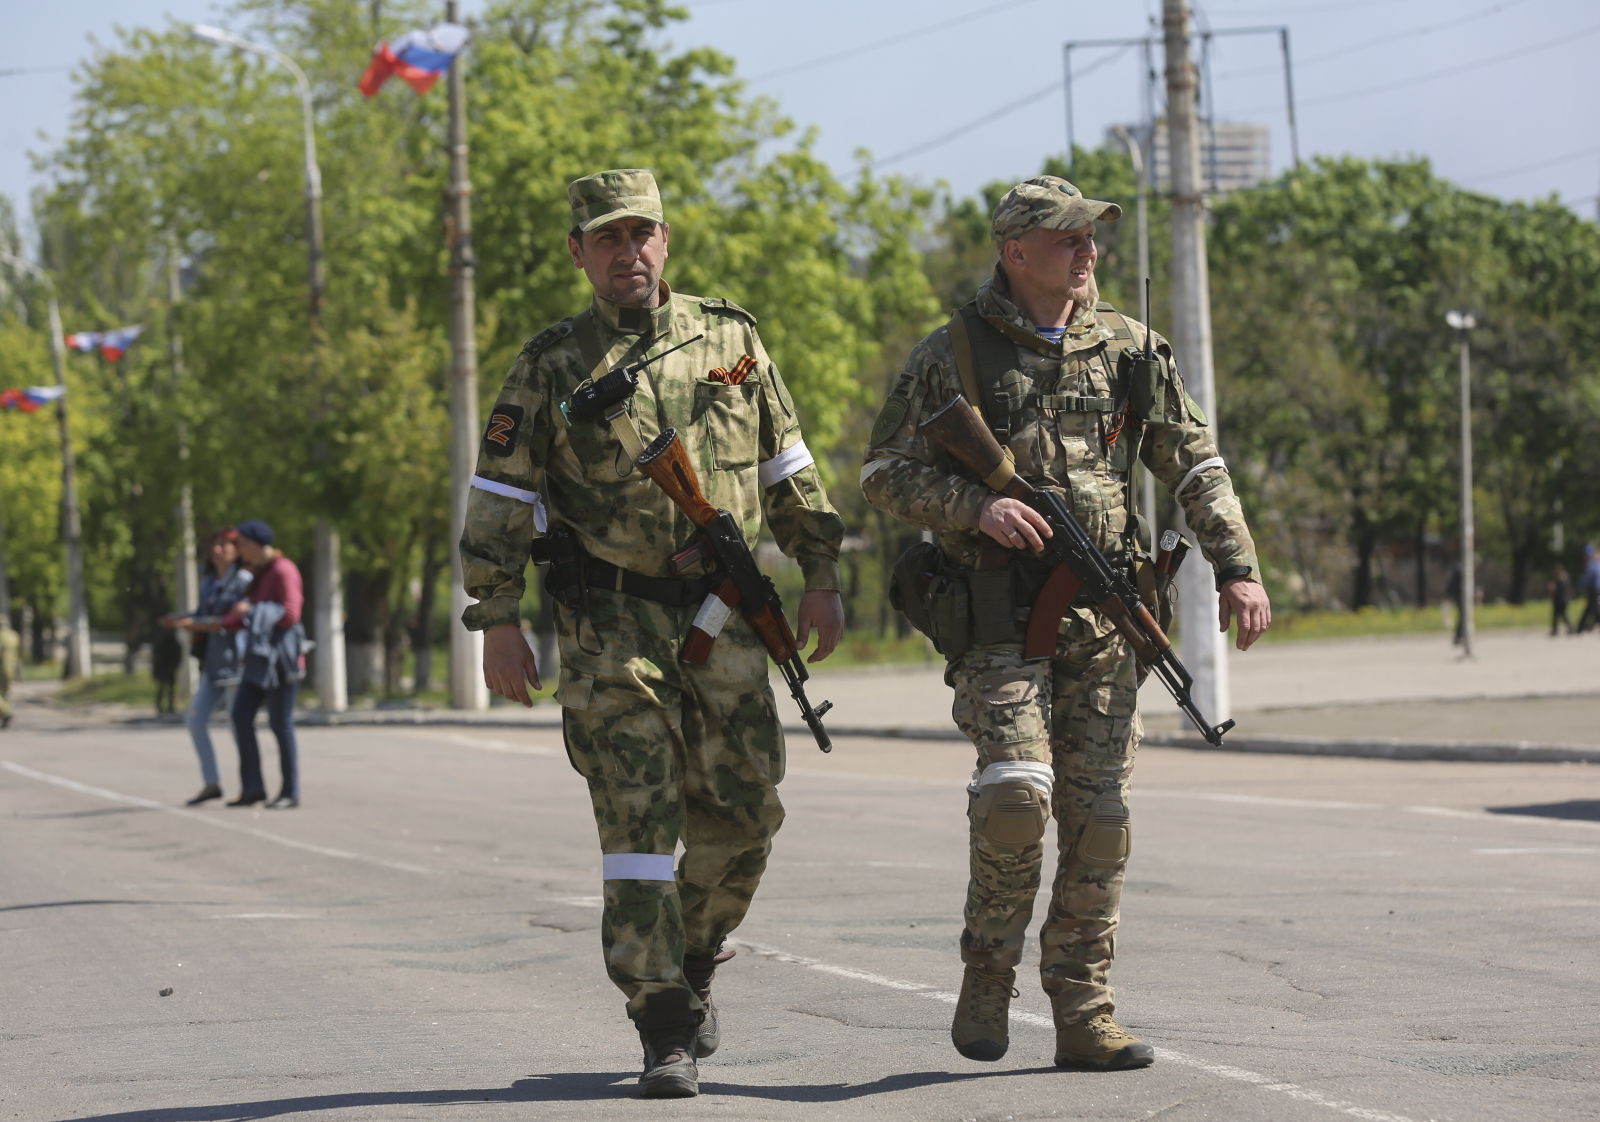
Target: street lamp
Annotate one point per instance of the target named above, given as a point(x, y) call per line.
point(327, 611)
point(78, 659)
point(1463, 323)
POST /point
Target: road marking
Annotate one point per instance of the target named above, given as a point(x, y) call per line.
point(262, 915)
point(1334, 804)
point(1586, 850)
point(487, 743)
point(208, 818)
point(1225, 1071)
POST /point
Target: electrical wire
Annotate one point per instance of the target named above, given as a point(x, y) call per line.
point(893, 40)
point(995, 114)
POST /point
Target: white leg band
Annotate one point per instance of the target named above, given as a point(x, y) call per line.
point(785, 464)
point(637, 866)
point(1036, 775)
point(1213, 462)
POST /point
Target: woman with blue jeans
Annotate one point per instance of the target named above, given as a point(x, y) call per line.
point(222, 587)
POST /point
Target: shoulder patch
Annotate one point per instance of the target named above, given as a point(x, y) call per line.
point(499, 438)
point(727, 308)
point(890, 418)
point(547, 338)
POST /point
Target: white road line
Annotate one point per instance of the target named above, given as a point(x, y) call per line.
point(1334, 804)
point(487, 743)
point(209, 819)
point(1225, 1071)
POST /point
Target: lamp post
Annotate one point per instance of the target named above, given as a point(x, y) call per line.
point(326, 605)
point(1463, 323)
point(78, 659)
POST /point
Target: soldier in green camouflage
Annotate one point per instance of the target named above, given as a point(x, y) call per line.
point(1048, 364)
point(672, 752)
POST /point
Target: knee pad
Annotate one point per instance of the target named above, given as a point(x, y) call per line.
point(1107, 837)
point(1011, 802)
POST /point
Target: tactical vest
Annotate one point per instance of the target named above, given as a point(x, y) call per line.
point(983, 356)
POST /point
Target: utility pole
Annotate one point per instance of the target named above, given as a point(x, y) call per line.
point(1203, 646)
point(467, 689)
point(1463, 322)
point(187, 585)
point(78, 662)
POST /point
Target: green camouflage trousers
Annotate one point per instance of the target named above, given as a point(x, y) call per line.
point(1076, 712)
point(671, 753)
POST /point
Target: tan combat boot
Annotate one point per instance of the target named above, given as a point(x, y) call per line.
point(1100, 1043)
point(981, 1028)
point(698, 970)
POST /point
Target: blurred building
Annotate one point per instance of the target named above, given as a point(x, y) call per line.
point(1232, 156)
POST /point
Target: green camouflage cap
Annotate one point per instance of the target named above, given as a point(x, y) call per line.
point(1048, 201)
point(609, 195)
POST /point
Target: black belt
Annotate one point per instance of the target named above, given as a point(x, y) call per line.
point(674, 591)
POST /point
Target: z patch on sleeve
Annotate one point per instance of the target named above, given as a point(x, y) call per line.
point(499, 438)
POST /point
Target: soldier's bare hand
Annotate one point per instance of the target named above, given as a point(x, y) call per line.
point(1014, 524)
point(1249, 600)
point(509, 666)
point(822, 609)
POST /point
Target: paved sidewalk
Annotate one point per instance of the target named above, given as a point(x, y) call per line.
point(1524, 696)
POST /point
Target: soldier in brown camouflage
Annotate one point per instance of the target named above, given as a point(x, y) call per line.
point(672, 753)
point(1054, 735)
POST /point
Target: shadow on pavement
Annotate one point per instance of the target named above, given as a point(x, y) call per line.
point(1582, 810)
point(577, 1086)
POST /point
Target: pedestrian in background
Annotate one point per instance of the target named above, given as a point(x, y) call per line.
point(223, 586)
point(1560, 589)
point(1049, 368)
point(1591, 589)
point(273, 664)
point(10, 668)
point(671, 751)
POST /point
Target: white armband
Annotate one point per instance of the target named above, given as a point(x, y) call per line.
point(1213, 462)
point(540, 517)
point(785, 464)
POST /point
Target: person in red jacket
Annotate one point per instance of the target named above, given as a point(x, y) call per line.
point(274, 664)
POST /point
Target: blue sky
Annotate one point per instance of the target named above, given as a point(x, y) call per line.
point(1501, 96)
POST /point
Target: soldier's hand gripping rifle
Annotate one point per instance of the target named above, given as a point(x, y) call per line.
point(1078, 564)
point(744, 585)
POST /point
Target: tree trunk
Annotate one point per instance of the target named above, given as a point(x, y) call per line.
point(367, 611)
point(1420, 548)
point(1366, 543)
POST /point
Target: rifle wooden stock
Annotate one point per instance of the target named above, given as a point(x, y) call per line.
point(744, 586)
point(1079, 566)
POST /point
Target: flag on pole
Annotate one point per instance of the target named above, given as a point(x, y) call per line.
point(112, 345)
point(30, 399)
point(418, 57)
point(115, 344)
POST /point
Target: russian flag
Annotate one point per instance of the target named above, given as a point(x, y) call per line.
point(114, 344)
point(111, 344)
point(418, 57)
point(30, 399)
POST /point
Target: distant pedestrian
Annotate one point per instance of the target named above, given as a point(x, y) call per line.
point(222, 587)
point(1560, 590)
point(166, 655)
point(1453, 594)
point(1590, 588)
point(10, 668)
point(274, 664)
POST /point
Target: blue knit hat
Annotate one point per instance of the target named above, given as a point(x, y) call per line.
point(256, 530)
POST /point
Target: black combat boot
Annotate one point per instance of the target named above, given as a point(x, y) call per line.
point(669, 1068)
point(698, 970)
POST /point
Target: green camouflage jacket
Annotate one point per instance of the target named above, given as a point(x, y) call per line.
point(1058, 435)
point(535, 470)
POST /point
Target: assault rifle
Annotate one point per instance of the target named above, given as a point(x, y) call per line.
point(744, 586)
point(1078, 565)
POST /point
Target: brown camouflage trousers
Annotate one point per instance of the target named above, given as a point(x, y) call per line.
point(1078, 713)
point(672, 753)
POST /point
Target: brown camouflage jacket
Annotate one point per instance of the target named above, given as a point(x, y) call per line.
point(1059, 435)
point(535, 470)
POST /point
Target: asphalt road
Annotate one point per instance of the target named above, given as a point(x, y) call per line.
point(1304, 939)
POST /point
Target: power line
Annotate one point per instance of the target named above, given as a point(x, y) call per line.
point(1570, 157)
point(1448, 72)
point(1421, 29)
point(903, 37)
point(994, 114)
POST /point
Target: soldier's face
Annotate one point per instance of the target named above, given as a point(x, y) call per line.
point(623, 260)
point(1055, 263)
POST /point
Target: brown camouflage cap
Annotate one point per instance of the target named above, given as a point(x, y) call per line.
point(1048, 201)
point(608, 195)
